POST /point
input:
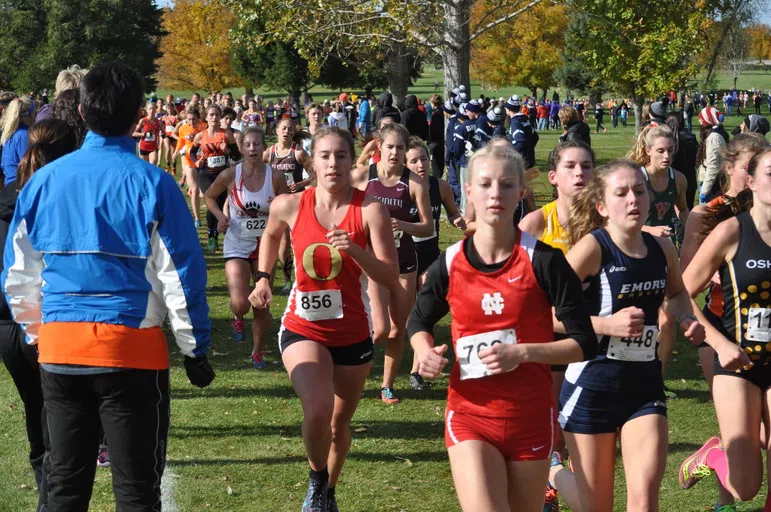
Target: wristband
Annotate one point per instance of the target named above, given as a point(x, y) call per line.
point(686, 316)
point(259, 275)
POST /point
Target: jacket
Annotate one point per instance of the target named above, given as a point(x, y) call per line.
point(713, 161)
point(524, 138)
point(577, 132)
point(436, 128)
point(8, 197)
point(413, 119)
point(365, 114)
point(386, 109)
point(100, 252)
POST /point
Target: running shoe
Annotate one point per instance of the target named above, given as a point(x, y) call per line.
point(332, 504)
point(181, 180)
point(238, 329)
point(731, 507)
point(417, 382)
point(258, 362)
point(197, 223)
point(388, 396)
point(671, 395)
point(286, 290)
point(316, 499)
point(211, 245)
point(694, 468)
point(103, 459)
point(551, 502)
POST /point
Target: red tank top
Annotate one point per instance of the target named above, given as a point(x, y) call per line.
point(510, 300)
point(715, 300)
point(151, 130)
point(211, 152)
point(328, 298)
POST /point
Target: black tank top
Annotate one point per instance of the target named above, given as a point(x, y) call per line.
point(399, 203)
point(435, 196)
point(746, 283)
point(287, 164)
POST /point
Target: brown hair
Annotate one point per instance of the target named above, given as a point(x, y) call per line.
point(436, 101)
point(254, 130)
point(415, 142)
point(645, 139)
point(326, 131)
point(48, 140)
point(393, 129)
point(584, 216)
point(555, 156)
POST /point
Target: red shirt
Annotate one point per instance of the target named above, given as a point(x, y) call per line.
point(326, 278)
point(151, 129)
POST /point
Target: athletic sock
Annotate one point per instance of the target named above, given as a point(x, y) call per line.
point(331, 492)
point(717, 461)
point(320, 477)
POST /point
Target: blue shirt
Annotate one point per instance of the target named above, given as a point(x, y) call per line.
point(13, 150)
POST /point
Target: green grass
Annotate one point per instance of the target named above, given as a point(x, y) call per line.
point(243, 432)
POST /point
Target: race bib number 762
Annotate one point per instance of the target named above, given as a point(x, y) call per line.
point(467, 351)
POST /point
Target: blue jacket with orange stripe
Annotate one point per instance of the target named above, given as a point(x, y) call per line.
point(100, 251)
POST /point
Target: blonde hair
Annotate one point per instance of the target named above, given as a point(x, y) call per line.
point(69, 78)
point(18, 110)
point(584, 216)
point(498, 151)
point(645, 139)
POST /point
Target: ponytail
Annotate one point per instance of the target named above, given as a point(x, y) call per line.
point(49, 139)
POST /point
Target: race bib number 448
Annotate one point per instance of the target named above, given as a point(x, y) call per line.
point(467, 351)
point(642, 349)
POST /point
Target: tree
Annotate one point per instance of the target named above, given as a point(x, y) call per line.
point(525, 53)
point(760, 42)
point(340, 27)
point(737, 46)
point(572, 73)
point(277, 66)
point(641, 49)
point(729, 14)
point(197, 50)
point(39, 39)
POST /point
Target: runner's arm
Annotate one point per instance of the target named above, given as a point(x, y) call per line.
point(419, 193)
point(282, 209)
point(448, 201)
point(533, 224)
point(223, 182)
point(693, 235)
point(681, 183)
point(430, 307)
point(137, 132)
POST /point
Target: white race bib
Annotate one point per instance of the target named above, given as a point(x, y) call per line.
point(759, 325)
point(398, 238)
point(639, 350)
point(251, 227)
point(423, 239)
point(169, 129)
point(289, 177)
point(467, 351)
point(150, 136)
point(320, 305)
point(215, 161)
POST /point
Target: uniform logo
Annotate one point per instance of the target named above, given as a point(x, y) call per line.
point(659, 284)
point(514, 280)
point(492, 303)
point(616, 269)
point(662, 209)
point(758, 264)
point(336, 262)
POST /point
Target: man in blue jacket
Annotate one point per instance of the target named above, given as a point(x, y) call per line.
point(521, 131)
point(100, 252)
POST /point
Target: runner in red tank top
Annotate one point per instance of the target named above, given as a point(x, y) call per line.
point(324, 337)
point(148, 130)
point(499, 285)
point(399, 189)
point(215, 146)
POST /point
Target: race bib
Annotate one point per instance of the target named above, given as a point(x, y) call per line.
point(215, 161)
point(253, 227)
point(398, 238)
point(150, 136)
point(169, 129)
point(639, 350)
point(759, 325)
point(467, 351)
point(320, 305)
point(289, 177)
point(423, 239)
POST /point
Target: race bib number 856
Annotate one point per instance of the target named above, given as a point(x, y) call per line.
point(642, 349)
point(319, 305)
point(467, 351)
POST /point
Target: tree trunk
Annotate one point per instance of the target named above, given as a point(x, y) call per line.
point(637, 102)
point(398, 72)
point(456, 50)
point(249, 91)
point(716, 52)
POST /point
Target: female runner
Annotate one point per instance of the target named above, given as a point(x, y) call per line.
point(325, 336)
point(619, 395)
point(654, 150)
point(740, 250)
point(427, 248)
point(570, 168)
point(216, 146)
point(500, 285)
point(251, 187)
point(399, 189)
point(148, 130)
point(315, 115)
point(291, 166)
point(169, 121)
point(370, 154)
point(185, 133)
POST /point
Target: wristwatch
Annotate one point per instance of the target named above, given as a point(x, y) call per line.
point(259, 275)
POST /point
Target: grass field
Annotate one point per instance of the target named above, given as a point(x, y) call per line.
point(236, 445)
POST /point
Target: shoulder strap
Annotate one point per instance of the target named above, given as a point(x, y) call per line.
point(373, 172)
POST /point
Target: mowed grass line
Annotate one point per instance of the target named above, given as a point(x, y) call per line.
point(243, 432)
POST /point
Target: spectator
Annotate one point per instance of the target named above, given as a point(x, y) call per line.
point(599, 114)
point(554, 115)
point(521, 131)
point(688, 112)
point(413, 119)
point(112, 243)
point(436, 136)
point(66, 107)
point(350, 112)
point(542, 113)
point(14, 125)
point(365, 118)
point(573, 128)
point(386, 109)
point(337, 117)
point(69, 78)
point(686, 151)
point(623, 112)
point(710, 157)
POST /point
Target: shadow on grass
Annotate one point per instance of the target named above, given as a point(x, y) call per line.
point(374, 430)
point(438, 456)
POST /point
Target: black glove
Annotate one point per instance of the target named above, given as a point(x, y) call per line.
point(199, 371)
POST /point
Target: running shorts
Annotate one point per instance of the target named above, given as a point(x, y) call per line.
point(585, 411)
point(757, 375)
point(426, 252)
point(350, 355)
point(516, 439)
point(408, 262)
